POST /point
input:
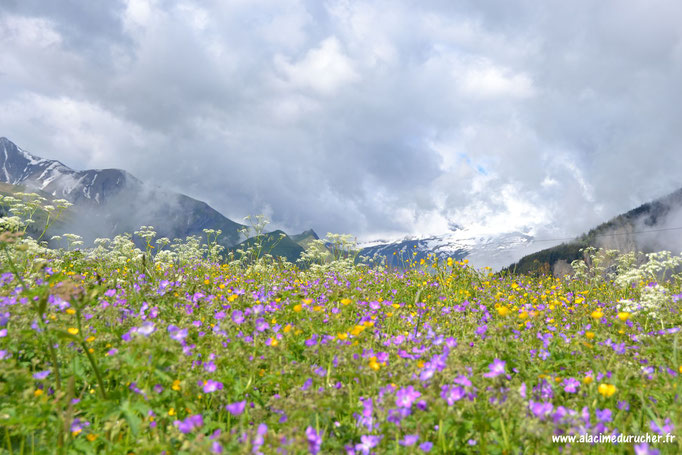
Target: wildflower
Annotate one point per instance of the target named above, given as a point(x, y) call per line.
point(314, 440)
point(587, 380)
point(190, 423)
point(237, 316)
point(451, 394)
point(644, 449)
point(667, 427)
point(211, 386)
point(539, 409)
point(37, 393)
point(298, 308)
point(603, 415)
point(571, 385)
point(607, 389)
point(426, 446)
point(146, 329)
point(176, 385)
point(367, 443)
point(406, 396)
point(589, 335)
point(236, 408)
point(623, 316)
point(409, 440)
point(496, 368)
point(597, 314)
point(72, 330)
point(41, 374)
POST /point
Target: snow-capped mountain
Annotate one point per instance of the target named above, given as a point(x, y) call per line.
point(111, 201)
point(491, 250)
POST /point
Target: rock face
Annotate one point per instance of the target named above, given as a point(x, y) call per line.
point(112, 201)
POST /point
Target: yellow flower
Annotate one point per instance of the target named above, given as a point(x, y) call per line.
point(307, 301)
point(274, 342)
point(623, 316)
point(343, 336)
point(73, 331)
point(287, 328)
point(91, 437)
point(38, 392)
point(346, 301)
point(597, 314)
point(70, 311)
point(298, 307)
point(607, 389)
point(588, 380)
point(589, 335)
point(317, 308)
point(503, 311)
point(373, 364)
point(171, 412)
point(176, 385)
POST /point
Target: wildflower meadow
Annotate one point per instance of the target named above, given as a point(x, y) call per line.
point(144, 345)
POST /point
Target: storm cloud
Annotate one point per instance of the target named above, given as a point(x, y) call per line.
point(375, 118)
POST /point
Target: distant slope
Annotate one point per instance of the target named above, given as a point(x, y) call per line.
point(275, 243)
point(305, 238)
point(649, 227)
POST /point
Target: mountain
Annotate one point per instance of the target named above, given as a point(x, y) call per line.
point(112, 201)
point(493, 250)
point(653, 226)
point(305, 238)
point(276, 243)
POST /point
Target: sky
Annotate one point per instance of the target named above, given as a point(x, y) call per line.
point(376, 118)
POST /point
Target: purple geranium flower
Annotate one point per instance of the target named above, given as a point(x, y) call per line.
point(41, 374)
point(237, 316)
point(367, 443)
point(314, 440)
point(211, 386)
point(236, 408)
point(409, 440)
point(406, 396)
point(571, 385)
point(496, 368)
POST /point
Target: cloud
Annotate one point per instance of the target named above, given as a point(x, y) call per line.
point(381, 117)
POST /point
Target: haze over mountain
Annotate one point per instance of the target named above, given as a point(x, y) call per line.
point(653, 226)
point(111, 201)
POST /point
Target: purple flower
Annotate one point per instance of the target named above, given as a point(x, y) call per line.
point(77, 425)
point(644, 449)
point(668, 427)
point(539, 409)
point(623, 406)
point(190, 423)
point(306, 385)
point(406, 396)
point(158, 388)
point(409, 440)
point(261, 325)
point(314, 440)
point(3, 333)
point(426, 446)
point(41, 374)
point(209, 366)
point(236, 408)
point(603, 415)
point(216, 447)
point(367, 443)
point(237, 316)
point(496, 368)
point(211, 386)
point(177, 333)
point(451, 394)
point(146, 329)
point(571, 385)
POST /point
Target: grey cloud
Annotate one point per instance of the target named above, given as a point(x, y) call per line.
point(363, 117)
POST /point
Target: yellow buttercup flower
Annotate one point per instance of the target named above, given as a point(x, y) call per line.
point(72, 330)
point(607, 389)
point(597, 314)
point(623, 315)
